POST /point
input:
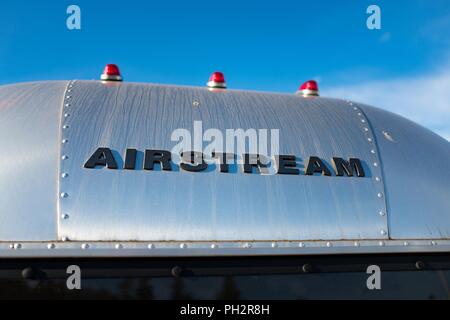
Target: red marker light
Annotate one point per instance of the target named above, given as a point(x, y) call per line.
point(217, 77)
point(111, 73)
point(217, 80)
point(309, 88)
point(310, 85)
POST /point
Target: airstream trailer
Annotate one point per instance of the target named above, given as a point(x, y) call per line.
point(88, 184)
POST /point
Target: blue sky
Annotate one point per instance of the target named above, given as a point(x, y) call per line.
point(259, 45)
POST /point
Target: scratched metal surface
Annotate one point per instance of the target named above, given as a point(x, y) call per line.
point(416, 165)
point(138, 205)
point(29, 130)
point(111, 205)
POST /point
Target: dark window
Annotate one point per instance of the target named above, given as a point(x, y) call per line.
point(309, 277)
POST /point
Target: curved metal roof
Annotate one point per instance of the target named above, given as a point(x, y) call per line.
point(404, 196)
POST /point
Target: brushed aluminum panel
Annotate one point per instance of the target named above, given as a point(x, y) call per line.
point(416, 165)
point(112, 205)
point(29, 130)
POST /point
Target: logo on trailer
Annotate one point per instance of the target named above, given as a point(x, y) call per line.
point(193, 161)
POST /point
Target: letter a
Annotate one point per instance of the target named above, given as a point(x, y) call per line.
point(374, 281)
point(74, 280)
point(374, 20)
point(74, 20)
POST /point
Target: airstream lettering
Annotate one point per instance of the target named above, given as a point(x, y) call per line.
point(196, 162)
point(102, 157)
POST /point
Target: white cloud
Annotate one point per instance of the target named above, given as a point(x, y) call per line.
point(424, 99)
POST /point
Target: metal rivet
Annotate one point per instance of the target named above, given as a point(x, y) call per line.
point(17, 246)
point(118, 246)
point(183, 246)
point(64, 157)
point(405, 243)
point(372, 151)
point(383, 232)
point(195, 103)
point(377, 178)
point(306, 268)
point(274, 245)
point(85, 246)
point(176, 271)
point(356, 244)
point(65, 126)
point(64, 175)
point(67, 104)
point(213, 246)
point(65, 141)
point(369, 139)
point(388, 136)
point(301, 244)
point(380, 195)
point(64, 239)
point(66, 115)
point(11, 246)
point(375, 164)
point(51, 246)
point(29, 273)
point(247, 245)
point(329, 244)
point(381, 243)
point(64, 216)
point(363, 121)
point(366, 129)
point(68, 97)
point(433, 243)
point(382, 213)
point(64, 195)
point(151, 246)
point(420, 265)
